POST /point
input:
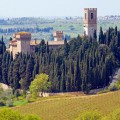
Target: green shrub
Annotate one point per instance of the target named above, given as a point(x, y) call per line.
point(31, 117)
point(105, 118)
point(93, 115)
point(7, 94)
point(115, 115)
point(118, 83)
point(2, 103)
point(104, 91)
point(113, 87)
point(17, 93)
point(8, 114)
point(10, 103)
point(28, 97)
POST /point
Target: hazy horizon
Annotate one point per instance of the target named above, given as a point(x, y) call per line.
point(45, 8)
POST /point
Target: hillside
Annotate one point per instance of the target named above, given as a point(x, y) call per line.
point(69, 107)
point(44, 27)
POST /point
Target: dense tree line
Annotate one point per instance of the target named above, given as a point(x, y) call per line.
point(81, 64)
point(25, 21)
point(3, 22)
point(32, 30)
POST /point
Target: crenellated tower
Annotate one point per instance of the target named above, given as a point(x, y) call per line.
point(90, 21)
point(20, 43)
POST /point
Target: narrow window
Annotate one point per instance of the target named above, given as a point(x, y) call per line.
point(91, 15)
point(85, 15)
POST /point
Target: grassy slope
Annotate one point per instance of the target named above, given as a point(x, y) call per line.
point(68, 108)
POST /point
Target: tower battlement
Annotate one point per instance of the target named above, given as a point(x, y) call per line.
point(90, 9)
point(22, 36)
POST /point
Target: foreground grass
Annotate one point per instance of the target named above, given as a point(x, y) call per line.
point(20, 103)
point(69, 107)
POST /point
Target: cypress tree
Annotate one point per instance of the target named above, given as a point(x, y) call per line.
point(16, 75)
point(101, 37)
point(77, 76)
point(29, 73)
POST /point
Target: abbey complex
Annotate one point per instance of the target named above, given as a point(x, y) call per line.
point(22, 41)
point(85, 63)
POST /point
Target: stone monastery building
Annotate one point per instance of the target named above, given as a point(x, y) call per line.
point(22, 40)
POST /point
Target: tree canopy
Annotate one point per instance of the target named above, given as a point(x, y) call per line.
point(40, 84)
point(80, 64)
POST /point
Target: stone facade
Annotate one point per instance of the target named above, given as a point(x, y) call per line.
point(90, 21)
point(22, 42)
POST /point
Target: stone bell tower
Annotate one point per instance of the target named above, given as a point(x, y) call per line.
point(90, 21)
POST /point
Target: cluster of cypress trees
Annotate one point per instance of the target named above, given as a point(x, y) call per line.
point(81, 64)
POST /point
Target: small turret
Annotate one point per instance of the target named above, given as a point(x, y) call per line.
point(58, 35)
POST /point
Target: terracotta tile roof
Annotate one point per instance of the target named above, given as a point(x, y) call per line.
point(23, 33)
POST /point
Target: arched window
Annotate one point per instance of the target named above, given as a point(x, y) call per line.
point(92, 16)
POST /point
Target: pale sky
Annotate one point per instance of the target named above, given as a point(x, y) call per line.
point(37, 8)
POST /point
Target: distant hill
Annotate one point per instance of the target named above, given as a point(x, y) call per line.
point(42, 28)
